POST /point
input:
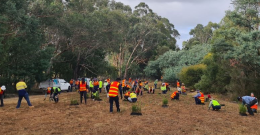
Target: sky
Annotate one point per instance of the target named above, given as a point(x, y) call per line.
point(186, 14)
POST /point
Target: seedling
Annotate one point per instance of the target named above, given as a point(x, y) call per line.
point(165, 102)
point(136, 110)
point(74, 102)
point(242, 110)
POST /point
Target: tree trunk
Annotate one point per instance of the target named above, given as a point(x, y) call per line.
point(77, 67)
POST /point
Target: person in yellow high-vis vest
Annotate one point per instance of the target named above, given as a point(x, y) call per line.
point(100, 86)
point(163, 88)
point(214, 104)
point(21, 88)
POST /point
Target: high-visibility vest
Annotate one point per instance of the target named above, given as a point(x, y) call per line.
point(90, 84)
point(254, 106)
point(163, 88)
point(132, 95)
point(105, 83)
point(178, 84)
point(71, 81)
point(130, 80)
point(113, 91)
point(21, 86)
point(127, 94)
point(82, 86)
point(215, 103)
point(100, 84)
point(140, 84)
point(56, 88)
point(128, 86)
point(48, 90)
point(174, 94)
point(146, 86)
point(201, 97)
point(77, 82)
point(96, 83)
point(123, 83)
point(108, 80)
point(1, 91)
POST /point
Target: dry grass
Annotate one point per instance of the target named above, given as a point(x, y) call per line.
point(181, 117)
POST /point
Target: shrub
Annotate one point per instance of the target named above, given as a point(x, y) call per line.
point(97, 97)
point(74, 102)
point(242, 109)
point(192, 74)
point(136, 109)
point(165, 101)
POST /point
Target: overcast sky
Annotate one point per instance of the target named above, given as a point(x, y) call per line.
point(186, 14)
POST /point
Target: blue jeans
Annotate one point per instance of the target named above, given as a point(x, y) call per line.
point(197, 100)
point(216, 107)
point(155, 86)
point(164, 91)
point(23, 93)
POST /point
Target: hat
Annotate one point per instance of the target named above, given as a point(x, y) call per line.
point(198, 91)
point(163, 83)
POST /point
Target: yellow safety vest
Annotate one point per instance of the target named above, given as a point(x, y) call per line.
point(21, 86)
point(132, 95)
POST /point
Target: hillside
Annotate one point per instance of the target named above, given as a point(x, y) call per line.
point(181, 117)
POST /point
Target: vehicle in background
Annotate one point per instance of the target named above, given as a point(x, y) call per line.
point(61, 83)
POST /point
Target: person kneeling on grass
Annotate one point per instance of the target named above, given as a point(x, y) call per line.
point(175, 95)
point(214, 104)
point(163, 88)
point(199, 98)
point(151, 90)
point(132, 98)
point(127, 95)
point(55, 91)
point(249, 102)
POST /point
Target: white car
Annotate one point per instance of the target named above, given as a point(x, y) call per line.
point(61, 83)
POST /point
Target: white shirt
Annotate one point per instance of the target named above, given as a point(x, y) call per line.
point(3, 88)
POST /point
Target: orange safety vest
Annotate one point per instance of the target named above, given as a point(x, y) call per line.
point(82, 87)
point(77, 82)
point(167, 84)
point(96, 83)
point(48, 90)
point(130, 80)
point(127, 94)
point(113, 91)
point(123, 83)
point(201, 98)
point(71, 81)
point(128, 86)
point(174, 94)
point(254, 106)
point(108, 80)
point(140, 84)
point(178, 84)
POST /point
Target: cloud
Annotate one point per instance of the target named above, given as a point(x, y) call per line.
point(186, 14)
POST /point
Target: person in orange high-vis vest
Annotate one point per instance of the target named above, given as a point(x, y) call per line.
point(130, 80)
point(127, 94)
point(254, 107)
point(108, 80)
point(83, 88)
point(77, 85)
point(123, 86)
point(114, 89)
point(139, 89)
point(175, 95)
point(178, 84)
point(199, 98)
point(128, 87)
point(71, 85)
point(48, 91)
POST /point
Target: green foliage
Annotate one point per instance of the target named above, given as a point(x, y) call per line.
point(74, 102)
point(242, 109)
point(136, 108)
point(97, 97)
point(165, 101)
point(192, 74)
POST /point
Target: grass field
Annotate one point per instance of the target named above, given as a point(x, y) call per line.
point(181, 117)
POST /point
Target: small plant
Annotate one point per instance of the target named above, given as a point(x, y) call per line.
point(74, 102)
point(136, 109)
point(97, 96)
point(242, 109)
point(165, 102)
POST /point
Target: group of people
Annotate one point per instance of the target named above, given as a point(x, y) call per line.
point(118, 87)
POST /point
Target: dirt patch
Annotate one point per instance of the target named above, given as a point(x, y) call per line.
point(181, 117)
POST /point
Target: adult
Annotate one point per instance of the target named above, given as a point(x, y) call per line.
point(255, 106)
point(163, 88)
point(114, 89)
point(83, 87)
point(175, 95)
point(199, 98)
point(100, 85)
point(1, 97)
point(47, 91)
point(71, 85)
point(214, 104)
point(3, 88)
point(155, 83)
point(132, 98)
point(22, 93)
point(249, 102)
point(55, 91)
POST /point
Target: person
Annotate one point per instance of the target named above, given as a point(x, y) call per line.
point(127, 94)
point(178, 84)
point(128, 87)
point(91, 87)
point(123, 86)
point(71, 85)
point(254, 107)
point(249, 102)
point(130, 80)
point(100, 85)
point(163, 88)
point(3, 88)
point(214, 104)
point(22, 93)
point(108, 80)
point(199, 98)
point(96, 87)
point(167, 86)
point(175, 95)
point(155, 83)
point(77, 85)
point(48, 91)
point(55, 91)
point(151, 90)
point(83, 88)
point(1, 97)
point(146, 86)
point(183, 89)
point(139, 89)
point(132, 98)
point(114, 89)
